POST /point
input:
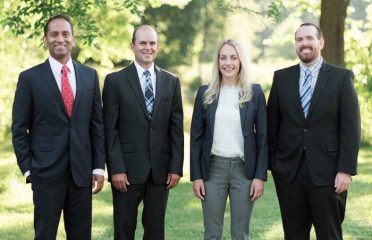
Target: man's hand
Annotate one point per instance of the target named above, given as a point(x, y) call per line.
point(257, 189)
point(120, 181)
point(97, 183)
point(172, 180)
point(198, 188)
point(342, 182)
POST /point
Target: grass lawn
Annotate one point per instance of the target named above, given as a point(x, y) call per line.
point(184, 217)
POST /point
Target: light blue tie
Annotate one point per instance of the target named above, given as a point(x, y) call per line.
point(149, 92)
point(305, 93)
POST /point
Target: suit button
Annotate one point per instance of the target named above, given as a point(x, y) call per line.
point(305, 130)
point(150, 130)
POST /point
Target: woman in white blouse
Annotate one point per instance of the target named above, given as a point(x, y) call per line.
point(229, 143)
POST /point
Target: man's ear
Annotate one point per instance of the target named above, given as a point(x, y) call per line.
point(321, 43)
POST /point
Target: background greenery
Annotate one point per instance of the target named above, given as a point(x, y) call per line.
point(189, 32)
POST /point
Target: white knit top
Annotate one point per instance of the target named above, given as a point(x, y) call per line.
point(228, 138)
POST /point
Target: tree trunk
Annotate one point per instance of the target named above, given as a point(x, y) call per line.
point(332, 23)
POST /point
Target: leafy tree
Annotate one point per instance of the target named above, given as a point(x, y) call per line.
point(358, 49)
point(29, 17)
point(176, 31)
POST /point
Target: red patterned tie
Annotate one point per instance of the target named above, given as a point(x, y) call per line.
point(66, 91)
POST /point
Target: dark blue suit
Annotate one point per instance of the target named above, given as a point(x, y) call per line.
point(58, 151)
point(254, 128)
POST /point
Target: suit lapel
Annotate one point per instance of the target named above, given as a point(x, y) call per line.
point(52, 84)
point(79, 86)
point(136, 87)
point(294, 82)
point(160, 86)
point(243, 113)
point(212, 113)
point(320, 85)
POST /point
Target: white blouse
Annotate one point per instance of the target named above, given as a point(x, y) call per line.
point(228, 138)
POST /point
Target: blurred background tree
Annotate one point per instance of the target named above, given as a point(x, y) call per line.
point(189, 31)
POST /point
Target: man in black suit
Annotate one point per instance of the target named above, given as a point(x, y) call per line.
point(314, 136)
point(143, 118)
point(58, 136)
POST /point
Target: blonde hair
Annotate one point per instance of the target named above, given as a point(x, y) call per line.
point(243, 80)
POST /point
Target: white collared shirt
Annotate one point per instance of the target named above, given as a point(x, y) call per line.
point(141, 77)
point(57, 73)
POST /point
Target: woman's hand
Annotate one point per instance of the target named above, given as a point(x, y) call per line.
point(257, 189)
point(198, 188)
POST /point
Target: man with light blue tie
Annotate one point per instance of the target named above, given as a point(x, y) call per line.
point(314, 137)
point(143, 120)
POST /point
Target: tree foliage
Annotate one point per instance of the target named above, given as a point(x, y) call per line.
point(358, 49)
point(29, 17)
point(177, 31)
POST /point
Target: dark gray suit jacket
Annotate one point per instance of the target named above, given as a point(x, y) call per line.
point(254, 128)
point(329, 136)
point(136, 144)
point(45, 140)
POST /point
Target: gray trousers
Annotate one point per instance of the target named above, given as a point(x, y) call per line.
point(227, 178)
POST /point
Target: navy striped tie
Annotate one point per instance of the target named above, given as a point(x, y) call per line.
point(305, 93)
point(149, 92)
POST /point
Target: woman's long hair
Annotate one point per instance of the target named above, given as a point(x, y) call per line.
point(243, 79)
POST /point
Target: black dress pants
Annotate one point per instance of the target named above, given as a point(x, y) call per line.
point(74, 201)
point(154, 197)
point(302, 204)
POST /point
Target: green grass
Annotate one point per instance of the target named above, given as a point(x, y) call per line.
point(184, 216)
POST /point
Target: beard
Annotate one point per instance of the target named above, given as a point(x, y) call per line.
point(308, 57)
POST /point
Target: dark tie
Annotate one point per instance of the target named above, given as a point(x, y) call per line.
point(305, 93)
point(149, 92)
point(66, 91)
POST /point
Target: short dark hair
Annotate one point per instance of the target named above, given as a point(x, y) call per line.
point(139, 27)
point(58, 16)
point(319, 33)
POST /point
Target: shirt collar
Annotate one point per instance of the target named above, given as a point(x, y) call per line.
point(314, 68)
point(140, 69)
point(57, 66)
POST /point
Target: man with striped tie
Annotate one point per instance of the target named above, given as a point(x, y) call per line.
point(143, 120)
point(314, 137)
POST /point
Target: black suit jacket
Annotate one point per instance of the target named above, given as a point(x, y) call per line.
point(46, 141)
point(136, 144)
point(254, 128)
point(330, 135)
